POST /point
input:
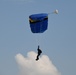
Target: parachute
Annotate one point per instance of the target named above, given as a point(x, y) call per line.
point(38, 22)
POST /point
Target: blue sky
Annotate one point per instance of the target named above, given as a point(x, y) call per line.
point(58, 42)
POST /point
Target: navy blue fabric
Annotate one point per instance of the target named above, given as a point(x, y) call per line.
point(41, 23)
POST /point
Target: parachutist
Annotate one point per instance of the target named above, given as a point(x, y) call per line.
point(39, 52)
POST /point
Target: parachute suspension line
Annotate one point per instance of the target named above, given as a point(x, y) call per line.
point(37, 39)
point(39, 34)
point(54, 12)
point(36, 35)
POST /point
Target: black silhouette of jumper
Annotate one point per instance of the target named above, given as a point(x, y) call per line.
point(39, 52)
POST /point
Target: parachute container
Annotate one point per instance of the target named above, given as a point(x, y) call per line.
point(38, 22)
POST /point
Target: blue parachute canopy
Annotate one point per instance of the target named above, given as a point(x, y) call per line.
point(38, 22)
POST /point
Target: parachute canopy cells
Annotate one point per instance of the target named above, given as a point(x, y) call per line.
point(38, 22)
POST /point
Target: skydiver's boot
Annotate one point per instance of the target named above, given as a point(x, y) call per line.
point(37, 58)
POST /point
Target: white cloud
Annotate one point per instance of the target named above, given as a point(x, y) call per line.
point(29, 66)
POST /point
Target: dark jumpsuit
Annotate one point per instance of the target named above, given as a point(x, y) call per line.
point(39, 52)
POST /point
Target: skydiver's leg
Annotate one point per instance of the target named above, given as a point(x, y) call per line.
point(37, 57)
